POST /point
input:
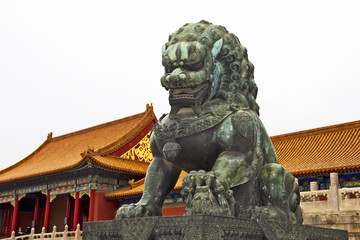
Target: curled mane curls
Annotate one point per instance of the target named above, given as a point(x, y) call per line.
point(236, 85)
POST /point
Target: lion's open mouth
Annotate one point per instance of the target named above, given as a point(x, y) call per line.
point(187, 96)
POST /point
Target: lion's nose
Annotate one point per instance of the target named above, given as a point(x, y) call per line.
point(174, 78)
point(177, 77)
point(182, 76)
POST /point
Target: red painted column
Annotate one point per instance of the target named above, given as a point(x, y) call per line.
point(67, 211)
point(76, 210)
point(68, 203)
point(47, 212)
point(15, 215)
point(36, 210)
point(92, 205)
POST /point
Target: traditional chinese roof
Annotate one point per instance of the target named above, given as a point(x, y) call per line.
point(120, 164)
point(68, 151)
point(321, 150)
point(314, 151)
point(137, 188)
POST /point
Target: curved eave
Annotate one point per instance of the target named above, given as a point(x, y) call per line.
point(116, 196)
point(139, 188)
point(43, 173)
point(19, 172)
point(119, 164)
point(148, 117)
point(311, 171)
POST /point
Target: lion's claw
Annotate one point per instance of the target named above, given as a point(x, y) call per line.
point(137, 210)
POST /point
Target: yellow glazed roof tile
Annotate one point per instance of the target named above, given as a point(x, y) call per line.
point(138, 188)
point(121, 164)
point(320, 150)
point(65, 152)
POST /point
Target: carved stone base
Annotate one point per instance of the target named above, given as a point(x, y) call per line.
point(202, 227)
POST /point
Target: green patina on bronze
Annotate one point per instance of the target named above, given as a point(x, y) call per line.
point(213, 131)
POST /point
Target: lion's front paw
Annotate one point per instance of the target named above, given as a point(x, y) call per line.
point(137, 210)
point(205, 194)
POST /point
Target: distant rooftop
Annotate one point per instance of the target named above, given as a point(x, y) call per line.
point(320, 150)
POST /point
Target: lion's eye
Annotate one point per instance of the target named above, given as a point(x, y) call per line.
point(194, 67)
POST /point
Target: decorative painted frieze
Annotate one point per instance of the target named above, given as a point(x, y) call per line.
point(61, 184)
point(82, 185)
point(348, 179)
point(7, 196)
point(31, 189)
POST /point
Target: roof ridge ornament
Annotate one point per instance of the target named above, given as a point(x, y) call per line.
point(49, 136)
point(149, 107)
point(89, 152)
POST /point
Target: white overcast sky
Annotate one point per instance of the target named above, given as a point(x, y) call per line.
point(69, 65)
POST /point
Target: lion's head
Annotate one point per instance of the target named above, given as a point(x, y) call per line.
point(203, 62)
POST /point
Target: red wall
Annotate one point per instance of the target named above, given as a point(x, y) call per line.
point(25, 219)
point(173, 211)
point(57, 212)
point(104, 209)
point(40, 222)
point(6, 219)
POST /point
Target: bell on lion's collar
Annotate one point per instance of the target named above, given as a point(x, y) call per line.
point(171, 151)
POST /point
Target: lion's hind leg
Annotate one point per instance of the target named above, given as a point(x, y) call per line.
point(280, 195)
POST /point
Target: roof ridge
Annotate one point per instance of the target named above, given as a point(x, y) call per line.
point(51, 139)
point(131, 133)
point(98, 126)
point(316, 131)
point(134, 184)
point(95, 155)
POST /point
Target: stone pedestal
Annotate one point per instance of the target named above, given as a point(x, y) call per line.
point(204, 228)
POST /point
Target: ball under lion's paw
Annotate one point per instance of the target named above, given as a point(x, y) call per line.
point(137, 210)
point(205, 194)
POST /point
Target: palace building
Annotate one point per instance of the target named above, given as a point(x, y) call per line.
point(65, 180)
point(86, 175)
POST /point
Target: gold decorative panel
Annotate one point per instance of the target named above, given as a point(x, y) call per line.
point(141, 151)
point(82, 193)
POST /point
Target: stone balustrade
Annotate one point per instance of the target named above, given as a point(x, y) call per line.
point(332, 208)
point(347, 193)
point(54, 235)
point(311, 196)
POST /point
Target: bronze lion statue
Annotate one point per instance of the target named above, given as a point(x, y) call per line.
point(214, 133)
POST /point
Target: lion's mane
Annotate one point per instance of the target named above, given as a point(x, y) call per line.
point(237, 85)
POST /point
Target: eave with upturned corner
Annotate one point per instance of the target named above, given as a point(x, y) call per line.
point(80, 165)
point(72, 150)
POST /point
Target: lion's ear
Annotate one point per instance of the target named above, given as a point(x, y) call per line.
point(216, 48)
